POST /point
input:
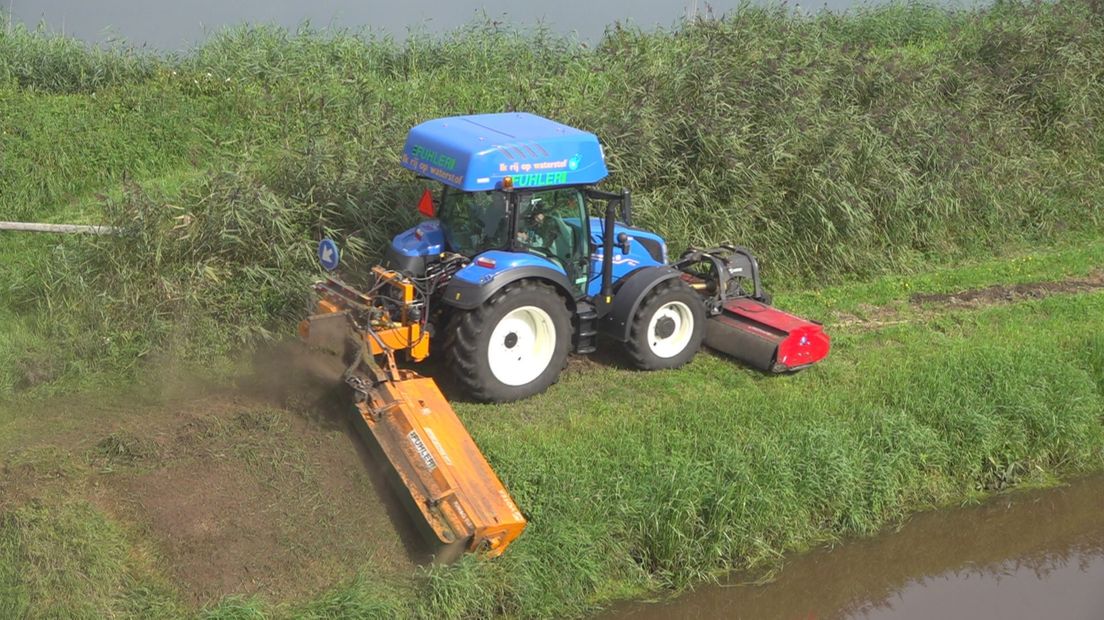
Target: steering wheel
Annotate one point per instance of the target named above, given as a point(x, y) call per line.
point(549, 234)
point(543, 250)
point(547, 252)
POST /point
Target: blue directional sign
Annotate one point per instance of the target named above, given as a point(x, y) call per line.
point(328, 254)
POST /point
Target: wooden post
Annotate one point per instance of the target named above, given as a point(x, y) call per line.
point(59, 228)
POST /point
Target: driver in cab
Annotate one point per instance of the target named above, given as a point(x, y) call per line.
point(533, 231)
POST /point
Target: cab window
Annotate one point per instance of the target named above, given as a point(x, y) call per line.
point(551, 223)
point(473, 221)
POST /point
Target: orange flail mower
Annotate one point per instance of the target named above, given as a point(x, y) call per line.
point(452, 490)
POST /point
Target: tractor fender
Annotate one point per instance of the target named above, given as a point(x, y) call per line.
point(466, 295)
point(632, 290)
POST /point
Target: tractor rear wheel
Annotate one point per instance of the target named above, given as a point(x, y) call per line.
point(513, 346)
point(668, 328)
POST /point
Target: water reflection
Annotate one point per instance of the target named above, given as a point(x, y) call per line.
point(170, 25)
point(1032, 555)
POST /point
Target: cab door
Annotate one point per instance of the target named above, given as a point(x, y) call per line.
point(553, 224)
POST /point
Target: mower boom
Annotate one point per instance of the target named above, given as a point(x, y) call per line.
point(452, 490)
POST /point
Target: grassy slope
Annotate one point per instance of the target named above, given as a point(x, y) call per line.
point(1075, 258)
point(837, 147)
point(896, 142)
point(635, 481)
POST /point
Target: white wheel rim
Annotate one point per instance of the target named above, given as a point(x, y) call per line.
point(522, 345)
point(670, 329)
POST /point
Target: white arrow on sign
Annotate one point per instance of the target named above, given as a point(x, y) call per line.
point(327, 254)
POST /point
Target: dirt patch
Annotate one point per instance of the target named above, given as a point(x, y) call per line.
point(265, 489)
point(243, 498)
point(922, 306)
point(1007, 294)
point(208, 522)
point(29, 474)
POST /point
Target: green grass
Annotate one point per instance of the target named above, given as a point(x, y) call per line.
point(1074, 259)
point(60, 148)
point(638, 482)
point(839, 147)
point(69, 561)
point(865, 157)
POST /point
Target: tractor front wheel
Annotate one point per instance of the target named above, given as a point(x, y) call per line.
point(513, 346)
point(668, 328)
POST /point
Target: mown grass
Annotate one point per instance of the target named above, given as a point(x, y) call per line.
point(1075, 259)
point(69, 561)
point(637, 482)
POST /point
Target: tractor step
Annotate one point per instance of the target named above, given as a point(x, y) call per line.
point(765, 337)
point(586, 328)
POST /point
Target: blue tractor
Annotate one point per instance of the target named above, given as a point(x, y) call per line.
point(522, 261)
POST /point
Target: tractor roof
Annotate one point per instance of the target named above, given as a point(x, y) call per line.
point(476, 152)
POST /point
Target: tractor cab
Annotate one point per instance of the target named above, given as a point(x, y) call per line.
point(515, 194)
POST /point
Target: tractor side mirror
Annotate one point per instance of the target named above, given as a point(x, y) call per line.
point(626, 207)
point(624, 241)
point(425, 205)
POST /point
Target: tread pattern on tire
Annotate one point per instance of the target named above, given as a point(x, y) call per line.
point(637, 345)
point(463, 353)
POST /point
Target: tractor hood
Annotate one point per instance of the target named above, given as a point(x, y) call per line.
point(476, 152)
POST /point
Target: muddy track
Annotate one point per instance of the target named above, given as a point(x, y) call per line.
point(922, 306)
point(1004, 294)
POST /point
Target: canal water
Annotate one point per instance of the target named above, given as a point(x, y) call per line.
point(172, 25)
point(1032, 555)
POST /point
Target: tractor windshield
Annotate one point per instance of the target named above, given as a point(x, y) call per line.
point(473, 221)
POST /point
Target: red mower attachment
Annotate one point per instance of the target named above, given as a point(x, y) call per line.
point(742, 322)
point(765, 337)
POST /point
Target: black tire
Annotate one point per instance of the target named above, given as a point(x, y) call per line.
point(641, 351)
point(468, 342)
